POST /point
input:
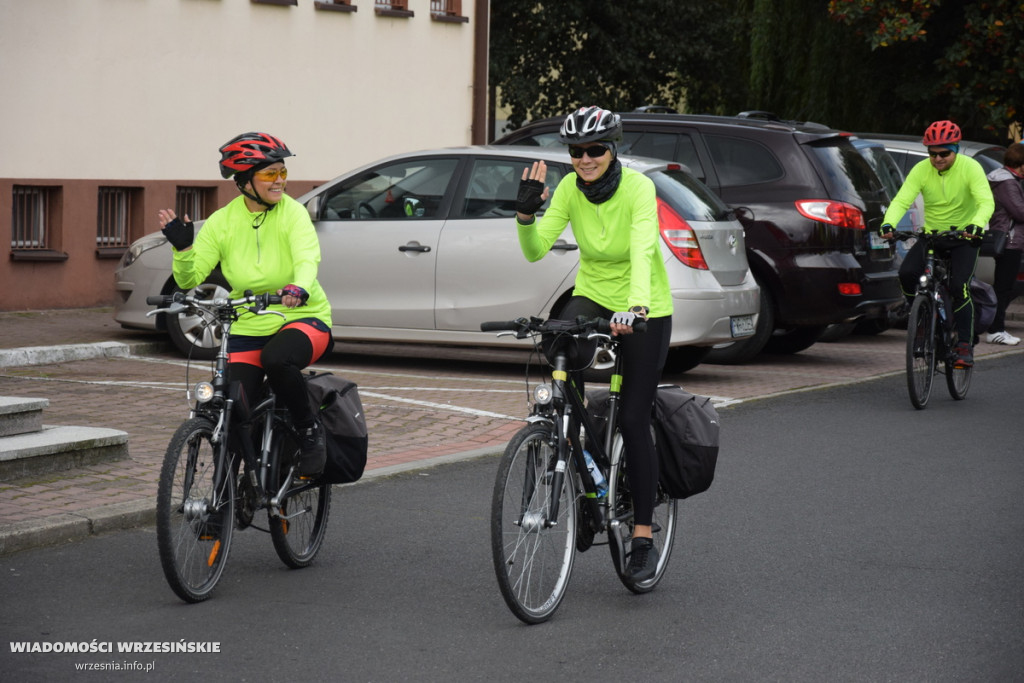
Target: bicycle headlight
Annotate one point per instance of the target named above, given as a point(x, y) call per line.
point(204, 392)
point(923, 280)
point(542, 394)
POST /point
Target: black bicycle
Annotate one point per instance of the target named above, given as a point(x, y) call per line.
point(546, 505)
point(931, 329)
point(226, 462)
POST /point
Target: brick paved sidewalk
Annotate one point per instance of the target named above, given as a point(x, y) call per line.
point(415, 416)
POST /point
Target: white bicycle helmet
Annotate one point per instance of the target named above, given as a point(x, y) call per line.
point(590, 124)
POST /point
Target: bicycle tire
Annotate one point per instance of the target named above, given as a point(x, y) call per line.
point(532, 561)
point(299, 525)
point(920, 351)
point(958, 380)
point(620, 530)
point(193, 551)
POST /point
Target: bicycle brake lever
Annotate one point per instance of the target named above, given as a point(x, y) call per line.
point(173, 309)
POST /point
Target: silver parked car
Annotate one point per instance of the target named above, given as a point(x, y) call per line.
point(422, 247)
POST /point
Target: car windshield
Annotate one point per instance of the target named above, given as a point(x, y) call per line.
point(691, 199)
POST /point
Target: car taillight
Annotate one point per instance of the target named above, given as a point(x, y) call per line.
point(679, 237)
point(837, 213)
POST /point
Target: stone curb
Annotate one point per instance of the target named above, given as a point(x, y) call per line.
point(45, 355)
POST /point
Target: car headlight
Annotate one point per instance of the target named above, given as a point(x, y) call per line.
point(141, 246)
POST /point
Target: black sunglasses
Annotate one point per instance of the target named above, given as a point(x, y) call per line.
point(594, 151)
point(942, 155)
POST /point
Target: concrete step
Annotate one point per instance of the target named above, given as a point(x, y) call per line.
point(21, 415)
point(55, 449)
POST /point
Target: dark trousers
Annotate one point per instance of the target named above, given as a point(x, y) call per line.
point(282, 359)
point(1007, 266)
point(963, 260)
point(643, 358)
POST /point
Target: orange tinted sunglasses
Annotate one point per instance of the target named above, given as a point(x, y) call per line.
point(269, 175)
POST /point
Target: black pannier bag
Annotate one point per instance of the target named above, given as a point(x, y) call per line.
point(336, 401)
point(984, 297)
point(686, 431)
point(686, 434)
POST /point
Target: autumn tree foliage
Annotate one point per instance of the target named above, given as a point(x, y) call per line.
point(969, 52)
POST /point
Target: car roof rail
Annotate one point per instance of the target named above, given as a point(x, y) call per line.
point(656, 109)
point(758, 114)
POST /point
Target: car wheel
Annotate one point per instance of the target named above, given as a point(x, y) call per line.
point(746, 349)
point(794, 340)
point(191, 334)
point(683, 358)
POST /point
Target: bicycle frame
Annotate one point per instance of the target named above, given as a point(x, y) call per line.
point(567, 424)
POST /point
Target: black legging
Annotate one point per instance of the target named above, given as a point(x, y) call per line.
point(283, 359)
point(1007, 266)
point(643, 358)
point(963, 260)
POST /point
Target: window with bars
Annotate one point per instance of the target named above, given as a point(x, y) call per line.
point(336, 5)
point(113, 217)
point(392, 8)
point(30, 225)
point(447, 10)
point(193, 202)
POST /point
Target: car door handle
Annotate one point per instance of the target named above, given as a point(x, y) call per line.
point(563, 247)
point(414, 247)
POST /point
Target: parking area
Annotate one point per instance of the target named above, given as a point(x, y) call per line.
point(423, 404)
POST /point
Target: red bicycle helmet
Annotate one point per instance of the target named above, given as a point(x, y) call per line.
point(942, 133)
point(248, 150)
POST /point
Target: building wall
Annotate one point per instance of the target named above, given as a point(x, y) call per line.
point(140, 94)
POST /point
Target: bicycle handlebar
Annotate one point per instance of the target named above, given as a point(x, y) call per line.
point(944, 238)
point(523, 326)
point(179, 301)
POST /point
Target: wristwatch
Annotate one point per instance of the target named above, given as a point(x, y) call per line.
point(640, 311)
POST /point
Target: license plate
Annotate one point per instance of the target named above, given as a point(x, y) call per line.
point(742, 325)
point(877, 242)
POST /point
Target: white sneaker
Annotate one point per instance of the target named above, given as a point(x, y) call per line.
point(1004, 338)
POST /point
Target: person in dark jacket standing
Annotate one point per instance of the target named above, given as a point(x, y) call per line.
point(1008, 191)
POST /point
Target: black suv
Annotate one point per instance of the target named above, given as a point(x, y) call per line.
point(809, 203)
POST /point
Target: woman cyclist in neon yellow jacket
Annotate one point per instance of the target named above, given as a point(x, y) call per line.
point(622, 277)
point(264, 241)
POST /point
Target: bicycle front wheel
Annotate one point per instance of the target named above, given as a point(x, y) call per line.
point(620, 532)
point(920, 351)
point(299, 523)
point(958, 380)
point(195, 512)
point(532, 553)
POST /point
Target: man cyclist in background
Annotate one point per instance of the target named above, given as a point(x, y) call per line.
point(956, 195)
point(264, 241)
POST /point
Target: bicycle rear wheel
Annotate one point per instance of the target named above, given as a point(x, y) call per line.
point(299, 524)
point(920, 351)
point(532, 558)
point(620, 531)
point(193, 533)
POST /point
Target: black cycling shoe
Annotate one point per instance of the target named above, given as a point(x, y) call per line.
point(312, 450)
point(643, 560)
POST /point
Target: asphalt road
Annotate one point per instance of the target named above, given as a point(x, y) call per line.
point(847, 537)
